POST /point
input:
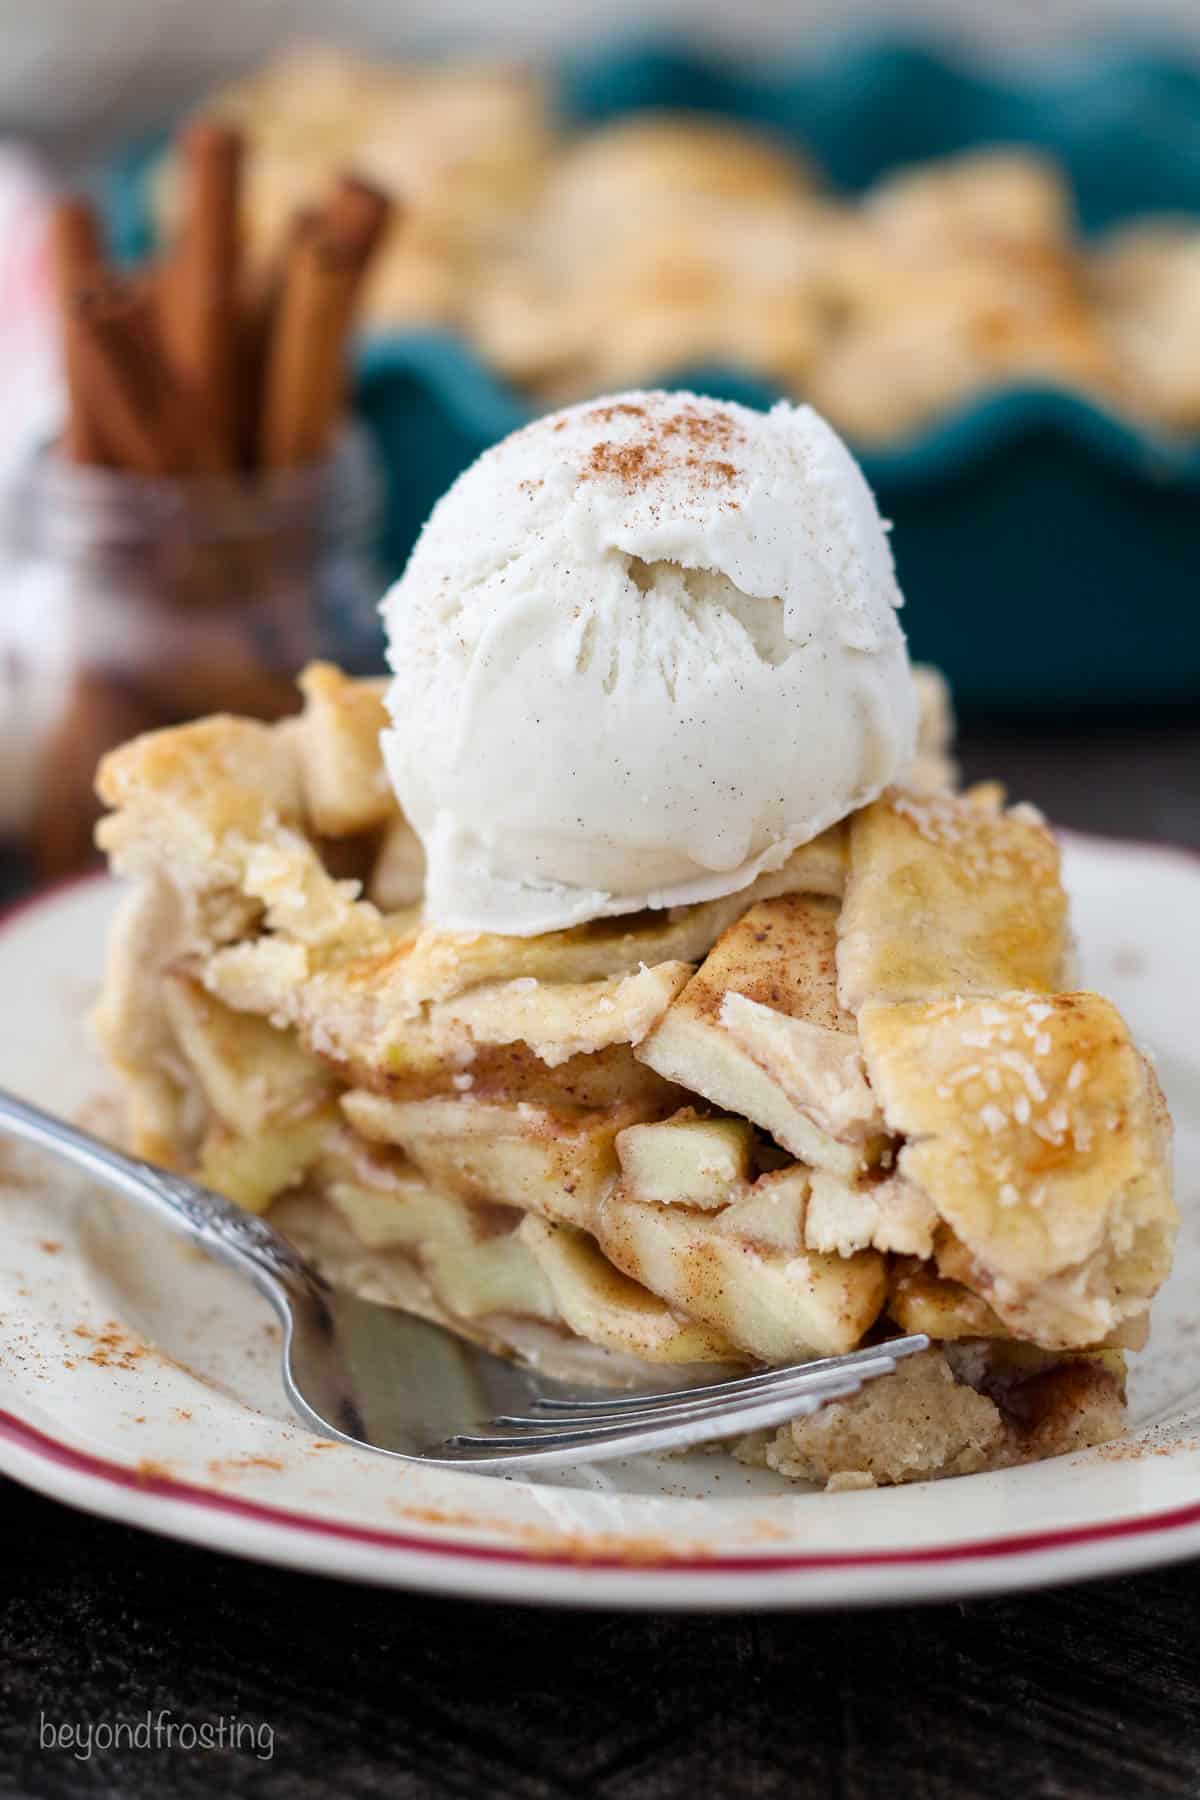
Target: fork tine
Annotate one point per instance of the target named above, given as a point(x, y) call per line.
point(739, 1384)
point(719, 1421)
point(686, 1405)
point(819, 1389)
point(690, 1416)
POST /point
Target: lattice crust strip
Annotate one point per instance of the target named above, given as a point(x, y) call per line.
point(1030, 1122)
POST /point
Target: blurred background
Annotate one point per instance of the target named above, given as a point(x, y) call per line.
point(78, 71)
point(968, 232)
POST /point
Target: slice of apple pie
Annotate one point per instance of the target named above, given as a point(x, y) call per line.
point(857, 1098)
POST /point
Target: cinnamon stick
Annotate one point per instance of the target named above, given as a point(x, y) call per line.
point(304, 384)
point(77, 255)
point(259, 316)
point(356, 217)
point(306, 361)
point(200, 305)
point(125, 382)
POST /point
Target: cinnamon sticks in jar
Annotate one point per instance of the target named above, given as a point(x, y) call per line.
point(192, 584)
point(192, 368)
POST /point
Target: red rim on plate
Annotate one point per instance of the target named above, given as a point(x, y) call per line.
point(118, 1475)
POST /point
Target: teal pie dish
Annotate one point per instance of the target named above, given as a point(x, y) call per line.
point(1050, 551)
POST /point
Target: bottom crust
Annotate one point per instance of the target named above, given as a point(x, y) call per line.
point(957, 1409)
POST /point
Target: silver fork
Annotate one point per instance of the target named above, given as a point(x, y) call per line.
point(384, 1380)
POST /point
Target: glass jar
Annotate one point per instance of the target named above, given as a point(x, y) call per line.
point(133, 602)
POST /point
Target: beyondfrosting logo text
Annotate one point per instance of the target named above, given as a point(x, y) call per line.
point(160, 1730)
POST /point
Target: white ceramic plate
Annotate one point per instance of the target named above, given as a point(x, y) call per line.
point(192, 1437)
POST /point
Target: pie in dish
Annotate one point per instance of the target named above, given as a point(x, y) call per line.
point(576, 261)
point(861, 1096)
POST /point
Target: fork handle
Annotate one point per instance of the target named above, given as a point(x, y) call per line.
point(241, 1239)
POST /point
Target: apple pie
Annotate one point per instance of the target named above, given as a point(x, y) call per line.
point(860, 1097)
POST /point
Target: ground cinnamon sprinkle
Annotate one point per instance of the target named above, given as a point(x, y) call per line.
point(683, 441)
point(147, 1470)
point(111, 1348)
point(713, 431)
point(230, 1465)
point(627, 409)
point(1125, 1450)
point(603, 1546)
point(13, 1174)
point(631, 463)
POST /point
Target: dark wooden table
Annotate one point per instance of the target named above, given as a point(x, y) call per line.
point(1081, 1694)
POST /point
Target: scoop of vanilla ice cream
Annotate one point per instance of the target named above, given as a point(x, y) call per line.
point(644, 648)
